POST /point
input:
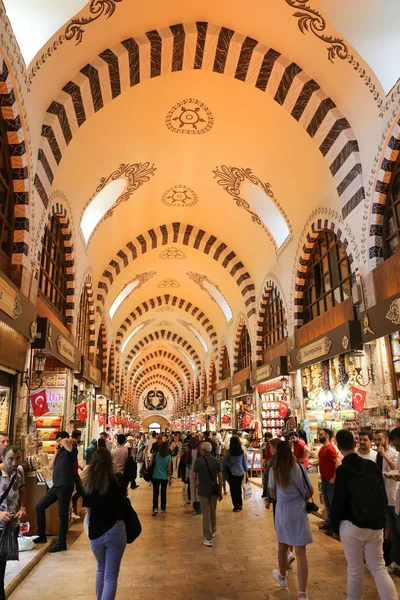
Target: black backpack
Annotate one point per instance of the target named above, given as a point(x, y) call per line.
point(367, 495)
point(130, 469)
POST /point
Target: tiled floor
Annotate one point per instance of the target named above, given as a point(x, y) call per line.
point(169, 561)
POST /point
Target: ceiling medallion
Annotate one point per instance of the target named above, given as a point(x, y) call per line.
point(189, 116)
point(169, 282)
point(180, 196)
point(172, 254)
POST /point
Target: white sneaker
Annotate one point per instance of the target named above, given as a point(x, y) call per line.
point(278, 578)
point(290, 560)
point(393, 567)
point(214, 533)
point(155, 511)
point(208, 543)
point(77, 517)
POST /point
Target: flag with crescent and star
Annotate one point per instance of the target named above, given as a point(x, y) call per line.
point(358, 397)
point(39, 403)
point(81, 411)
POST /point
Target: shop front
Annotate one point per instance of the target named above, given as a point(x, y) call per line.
point(326, 371)
point(85, 384)
point(224, 407)
point(243, 399)
point(17, 330)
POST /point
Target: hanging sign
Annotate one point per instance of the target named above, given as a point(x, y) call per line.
point(39, 403)
point(10, 302)
point(314, 350)
point(358, 398)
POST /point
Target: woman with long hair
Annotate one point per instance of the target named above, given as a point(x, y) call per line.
point(162, 475)
point(234, 465)
point(105, 501)
point(290, 485)
point(101, 443)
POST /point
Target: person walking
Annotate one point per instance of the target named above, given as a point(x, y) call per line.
point(328, 461)
point(62, 465)
point(119, 457)
point(12, 498)
point(90, 450)
point(131, 464)
point(193, 452)
point(358, 519)
point(104, 499)
point(175, 449)
point(206, 471)
point(140, 452)
point(162, 476)
point(235, 463)
point(290, 485)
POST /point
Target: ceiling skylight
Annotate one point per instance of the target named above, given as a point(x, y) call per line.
point(219, 299)
point(121, 297)
point(100, 204)
point(130, 336)
point(34, 22)
point(266, 209)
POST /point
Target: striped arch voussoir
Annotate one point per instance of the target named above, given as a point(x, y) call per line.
point(157, 368)
point(210, 373)
point(221, 358)
point(103, 334)
point(390, 156)
point(151, 379)
point(19, 164)
point(314, 231)
point(268, 288)
point(163, 335)
point(170, 356)
point(239, 329)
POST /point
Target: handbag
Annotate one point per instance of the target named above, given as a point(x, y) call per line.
point(132, 523)
point(311, 507)
point(247, 491)
point(216, 487)
point(148, 472)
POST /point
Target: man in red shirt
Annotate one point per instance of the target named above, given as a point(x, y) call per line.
point(328, 460)
point(299, 449)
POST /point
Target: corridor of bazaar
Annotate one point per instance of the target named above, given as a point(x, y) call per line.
point(199, 232)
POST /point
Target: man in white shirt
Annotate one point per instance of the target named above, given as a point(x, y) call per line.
point(365, 446)
point(386, 459)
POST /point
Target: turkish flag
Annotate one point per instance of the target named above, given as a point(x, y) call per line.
point(212, 420)
point(102, 419)
point(283, 409)
point(358, 397)
point(247, 419)
point(119, 421)
point(81, 410)
point(124, 421)
point(225, 419)
point(39, 403)
point(112, 420)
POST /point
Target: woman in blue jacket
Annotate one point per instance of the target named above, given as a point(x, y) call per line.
point(234, 465)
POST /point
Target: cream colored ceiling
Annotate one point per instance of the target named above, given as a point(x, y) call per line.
point(249, 131)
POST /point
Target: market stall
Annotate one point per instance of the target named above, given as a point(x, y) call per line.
point(271, 381)
point(225, 409)
point(243, 398)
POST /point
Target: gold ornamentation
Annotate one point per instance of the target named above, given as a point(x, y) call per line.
point(59, 344)
point(393, 313)
point(180, 196)
point(345, 342)
point(189, 116)
point(166, 308)
point(172, 253)
point(169, 282)
point(367, 328)
point(32, 330)
point(200, 279)
point(17, 306)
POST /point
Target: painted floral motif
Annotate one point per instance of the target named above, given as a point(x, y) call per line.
point(169, 282)
point(180, 196)
point(189, 116)
point(172, 254)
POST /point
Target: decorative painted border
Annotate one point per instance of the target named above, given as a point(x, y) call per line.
point(161, 380)
point(199, 280)
point(210, 47)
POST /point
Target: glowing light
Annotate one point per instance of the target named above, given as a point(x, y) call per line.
point(219, 299)
point(100, 204)
point(130, 336)
point(121, 297)
point(199, 337)
point(268, 212)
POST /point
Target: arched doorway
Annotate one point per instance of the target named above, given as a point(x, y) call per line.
point(155, 423)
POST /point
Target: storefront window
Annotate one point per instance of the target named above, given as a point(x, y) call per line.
point(244, 356)
point(53, 267)
point(6, 195)
point(392, 214)
point(274, 326)
point(83, 324)
point(328, 279)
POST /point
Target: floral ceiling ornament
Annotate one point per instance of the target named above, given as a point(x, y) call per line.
point(169, 282)
point(231, 179)
point(164, 324)
point(311, 20)
point(189, 116)
point(166, 308)
point(180, 196)
point(172, 253)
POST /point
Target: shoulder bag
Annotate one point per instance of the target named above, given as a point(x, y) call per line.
point(132, 524)
point(311, 507)
point(148, 472)
point(216, 486)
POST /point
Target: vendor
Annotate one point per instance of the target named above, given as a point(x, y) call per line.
point(299, 449)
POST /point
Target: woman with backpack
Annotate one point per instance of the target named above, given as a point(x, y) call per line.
point(290, 485)
point(234, 465)
point(162, 475)
point(104, 499)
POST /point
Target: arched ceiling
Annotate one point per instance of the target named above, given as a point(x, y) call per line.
point(221, 130)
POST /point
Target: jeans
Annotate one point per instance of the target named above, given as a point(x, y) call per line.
point(359, 544)
point(328, 489)
point(235, 483)
point(78, 485)
point(393, 522)
point(108, 551)
point(156, 491)
point(209, 508)
point(175, 465)
point(63, 494)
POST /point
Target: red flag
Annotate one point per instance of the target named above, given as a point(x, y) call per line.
point(112, 420)
point(102, 419)
point(358, 397)
point(119, 421)
point(283, 409)
point(212, 420)
point(225, 419)
point(39, 403)
point(81, 411)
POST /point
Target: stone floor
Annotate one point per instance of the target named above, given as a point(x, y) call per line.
point(169, 560)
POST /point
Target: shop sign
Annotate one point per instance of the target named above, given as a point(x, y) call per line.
point(104, 390)
point(263, 373)
point(381, 319)
point(50, 338)
point(315, 350)
point(90, 373)
point(222, 395)
point(208, 401)
point(10, 302)
point(65, 348)
point(241, 389)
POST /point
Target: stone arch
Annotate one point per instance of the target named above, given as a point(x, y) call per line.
point(308, 244)
point(153, 379)
point(223, 349)
point(111, 365)
point(163, 335)
point(268, 287)
point(168, 300)
point(241, 323)
point(162, 421)
point(117, 376)
point(379, 195)
point(87, 282)
point(168, 356)
point(211, 373)
point(161, 367)
point(204, 383)
point(20, 164)
point(104, 344)
point(187, 235)
point(210, 47)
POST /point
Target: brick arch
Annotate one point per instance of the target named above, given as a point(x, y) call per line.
point(186, 235)
point(379, 196)
point(111, 365)
point(87, 282)
point(210, 47)
point(223, 348)
point(152, 379)
point(118, 376)
point(20, 164)
point(212, 370)
point(313, 231)
point(163, 335)
point(168, 356)
point(103, 337)
point(198, 387)
point(269, 286)
point(168, 300)
point(241, 324)
point(204, 388)
point(161, 367)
